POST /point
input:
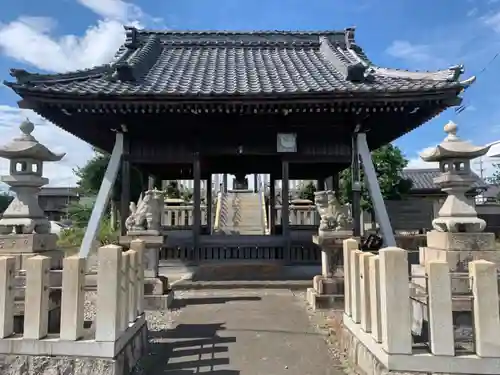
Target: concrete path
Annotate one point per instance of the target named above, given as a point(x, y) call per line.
point(239, 332)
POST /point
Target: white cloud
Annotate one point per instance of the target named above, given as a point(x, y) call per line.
point(416, 54)
point(56, 139)
point(492, 20)
point(114, 9)
point(33, 40)
point(417, 162)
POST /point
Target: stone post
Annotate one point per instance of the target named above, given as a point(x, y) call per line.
point(73, 298)
point(7, 269)
point(109, 293)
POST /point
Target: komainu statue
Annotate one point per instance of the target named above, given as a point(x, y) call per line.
point(334, 216)
point(146, 215)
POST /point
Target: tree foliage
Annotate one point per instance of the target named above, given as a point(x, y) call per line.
point(92, 173)
point(5, 199)
point(307, 192)
point(389, 162)
point(494, 179)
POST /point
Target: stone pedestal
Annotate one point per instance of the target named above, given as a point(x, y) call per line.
point(22, 247)
point(457, 249)
point(328, 287)
point(157, 292)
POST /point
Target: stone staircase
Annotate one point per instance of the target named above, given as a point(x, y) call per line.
point(243, 214)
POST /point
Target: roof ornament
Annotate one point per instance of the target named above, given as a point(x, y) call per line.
point(131, 37)
point(349, 36)
point(21, 75)
point(457, 71)
point(454, 155)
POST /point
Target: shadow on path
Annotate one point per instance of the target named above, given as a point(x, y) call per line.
point(189, 349)
point(183, 302)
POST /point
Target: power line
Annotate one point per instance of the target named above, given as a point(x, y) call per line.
point(463, 107)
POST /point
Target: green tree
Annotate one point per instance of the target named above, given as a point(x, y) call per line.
point(173, 190)
point(307, 192)
point(5, 199)
point(389, 163)
point(92, 173)
point(79, 214)
point(494, 179)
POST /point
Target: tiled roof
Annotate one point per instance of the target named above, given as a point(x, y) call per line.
point(423, 179)
point(175, 63)
point(58, 191)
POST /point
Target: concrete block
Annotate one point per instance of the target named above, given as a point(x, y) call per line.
point(461, 241)
point(27, 243)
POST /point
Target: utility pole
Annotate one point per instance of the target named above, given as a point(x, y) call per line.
point(481, 169)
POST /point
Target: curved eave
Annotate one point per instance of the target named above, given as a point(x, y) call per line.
point(390, 94)
point(440, 153)
point(37, 152)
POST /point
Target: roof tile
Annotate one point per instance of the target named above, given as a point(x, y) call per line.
point(237, 63)
point(423, 179)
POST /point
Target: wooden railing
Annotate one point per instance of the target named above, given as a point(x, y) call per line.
point(379, 304)
point(119, 303)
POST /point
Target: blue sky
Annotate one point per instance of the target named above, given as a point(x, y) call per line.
point(61, 35)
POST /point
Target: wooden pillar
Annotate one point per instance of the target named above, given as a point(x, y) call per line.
point(285, 211)
point(356, 187)
point(272, 204)
point(328, 182)
point(144, 181)
point(224, 182)
point(320, 184)
point(209, 203)
point(125, 184)
point(151, 182)
point(197, 204)
point(336, 181)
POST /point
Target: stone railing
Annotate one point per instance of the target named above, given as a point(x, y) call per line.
point(299, 215)
point(379, 306)
point(182, 216)
point(118, 330)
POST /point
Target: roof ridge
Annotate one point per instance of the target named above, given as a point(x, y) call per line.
point(137, 64)
point(354, 71)
point(237, 32)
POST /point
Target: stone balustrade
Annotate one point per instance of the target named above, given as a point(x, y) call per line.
point(299, 215)
point(182, 216)
point(379, 306)
point(119, 320)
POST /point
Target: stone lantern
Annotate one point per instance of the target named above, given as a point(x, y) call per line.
point(458, 236)
point(454, 155)
point(26, 156)
point(24, 228)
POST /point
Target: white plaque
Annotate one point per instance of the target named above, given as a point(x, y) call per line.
point(287, 142)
